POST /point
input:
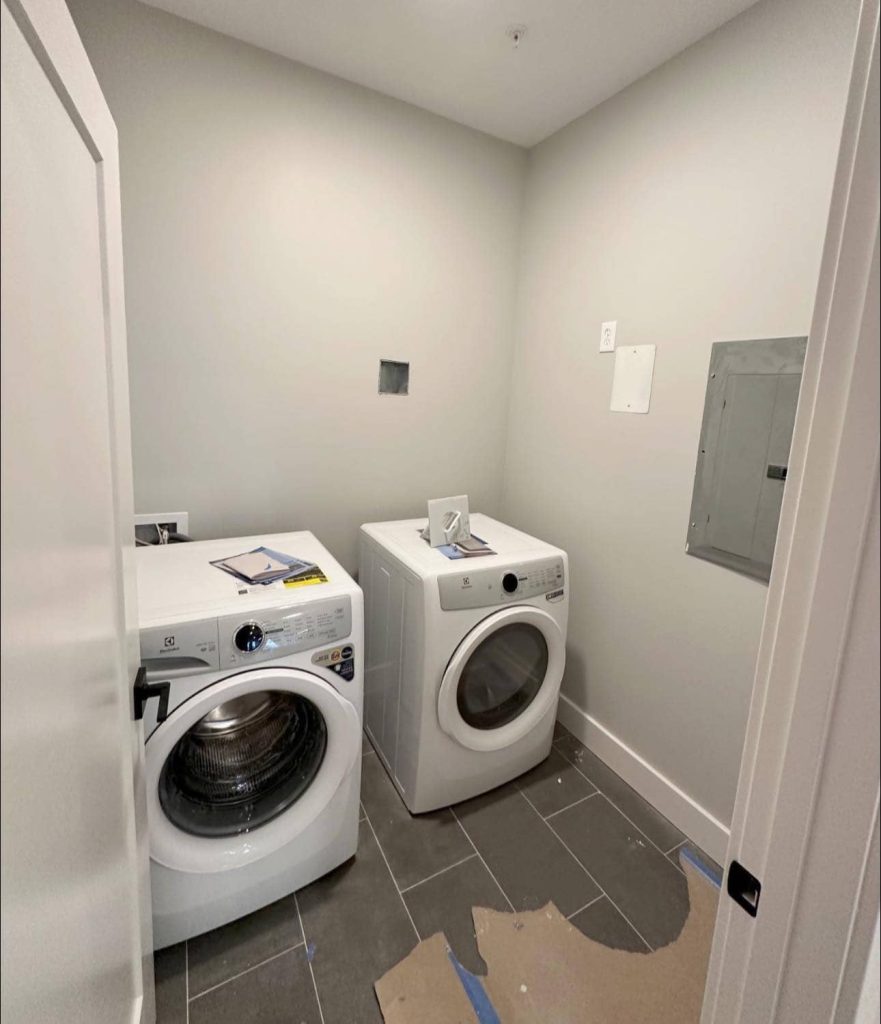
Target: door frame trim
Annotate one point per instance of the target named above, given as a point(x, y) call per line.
point(810, 712)
point(49, 30)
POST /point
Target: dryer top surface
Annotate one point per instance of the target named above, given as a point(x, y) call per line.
point(402, 539)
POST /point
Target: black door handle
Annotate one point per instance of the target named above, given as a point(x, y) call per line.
point(744, 888)
point(143, 691)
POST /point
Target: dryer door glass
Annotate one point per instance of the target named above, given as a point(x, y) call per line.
point(243, 763)
point(502, 676)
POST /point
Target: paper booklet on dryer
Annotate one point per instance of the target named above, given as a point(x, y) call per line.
point(472, 547)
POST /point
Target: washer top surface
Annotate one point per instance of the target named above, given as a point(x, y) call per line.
point(177, 583)
point(402, 539)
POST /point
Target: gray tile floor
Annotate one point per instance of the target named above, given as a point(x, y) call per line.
point(570, 831)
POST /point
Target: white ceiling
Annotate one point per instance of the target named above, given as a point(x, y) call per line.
point(453, 57)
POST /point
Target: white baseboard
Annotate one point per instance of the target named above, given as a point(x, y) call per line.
point(686, 814)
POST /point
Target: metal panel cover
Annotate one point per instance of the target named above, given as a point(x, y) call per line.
point(749, 413)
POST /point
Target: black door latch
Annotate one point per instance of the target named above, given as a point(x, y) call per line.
point(143, 691)
point(744, 888)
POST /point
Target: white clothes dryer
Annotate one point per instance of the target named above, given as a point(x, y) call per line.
point(464, 658)
point(253, 769)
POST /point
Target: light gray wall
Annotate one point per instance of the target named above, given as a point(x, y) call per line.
point(690, 208)
point(283, 230)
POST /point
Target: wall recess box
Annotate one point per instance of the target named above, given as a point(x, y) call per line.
point(394, 377)
point(146, 523)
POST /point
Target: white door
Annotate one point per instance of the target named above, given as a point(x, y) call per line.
point(502, 679)
point(245, 766)
point(76, 938)
point(805, 822)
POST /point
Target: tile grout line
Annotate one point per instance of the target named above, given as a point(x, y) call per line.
point(609, 800)
point(595, 882)
point(666, 855)
point(627, 920)
point(241, 974)
point(708, 861)
point(482, 861)
point(574, 803)
point(589, 903)
point(442, 871)
point(630, 821)
point(675, 862)
point(309, 959)
point(589, 875)
point(392, 875)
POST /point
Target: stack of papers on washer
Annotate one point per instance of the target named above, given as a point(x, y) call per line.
point(264, 566)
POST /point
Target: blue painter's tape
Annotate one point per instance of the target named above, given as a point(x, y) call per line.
point(697, 863)
point(476, 993)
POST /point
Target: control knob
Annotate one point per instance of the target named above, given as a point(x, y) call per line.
point(510, 582)
point(249, 637)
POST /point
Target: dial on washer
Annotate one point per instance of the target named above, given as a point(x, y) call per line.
point(248, 638)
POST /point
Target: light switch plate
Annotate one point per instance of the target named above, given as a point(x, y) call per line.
point(632, 383)
point(607, 336)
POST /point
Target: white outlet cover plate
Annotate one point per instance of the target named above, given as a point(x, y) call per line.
point(632, 383)
point(607, 336)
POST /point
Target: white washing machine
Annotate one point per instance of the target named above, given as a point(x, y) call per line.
point(253, 778)
point(464, 657)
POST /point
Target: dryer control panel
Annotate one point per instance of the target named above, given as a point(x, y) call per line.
point(248, 638)
point(505, 584)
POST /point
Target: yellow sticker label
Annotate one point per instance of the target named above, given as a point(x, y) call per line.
point(307, 581)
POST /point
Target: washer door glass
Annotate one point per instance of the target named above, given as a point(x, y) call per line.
point(502, 676)
point(242, 764)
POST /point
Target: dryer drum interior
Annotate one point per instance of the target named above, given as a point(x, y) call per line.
point(503, 676)
point(243, 764)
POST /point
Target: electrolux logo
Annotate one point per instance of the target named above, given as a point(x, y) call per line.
point(169, 641)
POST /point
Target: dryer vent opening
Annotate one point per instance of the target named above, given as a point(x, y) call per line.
point(394, 378)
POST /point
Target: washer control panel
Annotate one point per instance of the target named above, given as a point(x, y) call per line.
point(483, 587)
point(252, 637)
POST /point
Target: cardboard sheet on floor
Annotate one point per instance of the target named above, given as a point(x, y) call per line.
point(540, 968)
